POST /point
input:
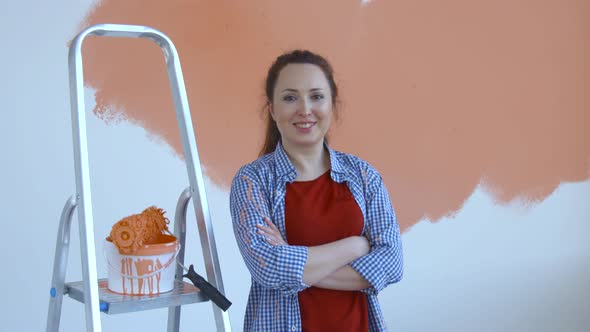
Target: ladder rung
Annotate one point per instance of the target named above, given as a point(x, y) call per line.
point(183, 293)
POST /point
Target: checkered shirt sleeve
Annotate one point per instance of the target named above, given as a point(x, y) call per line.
point(384, 263)
point(274, 267)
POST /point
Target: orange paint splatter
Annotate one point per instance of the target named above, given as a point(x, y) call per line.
point(243, 216)
point(437, 96)
point(261, 262)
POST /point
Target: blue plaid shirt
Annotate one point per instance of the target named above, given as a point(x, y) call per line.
point(258, 193)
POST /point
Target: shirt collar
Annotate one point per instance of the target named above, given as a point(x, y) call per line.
point(285, 168)
point(284, 165)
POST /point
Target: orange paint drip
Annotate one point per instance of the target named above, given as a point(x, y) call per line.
point(143, 273)
point(158, 275)
point(126, 269)
point(143, 267)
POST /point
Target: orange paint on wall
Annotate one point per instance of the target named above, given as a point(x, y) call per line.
point(437, 95)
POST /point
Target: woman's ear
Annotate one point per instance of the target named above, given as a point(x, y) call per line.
point(270, 110)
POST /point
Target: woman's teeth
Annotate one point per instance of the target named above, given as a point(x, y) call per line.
point(304, 125)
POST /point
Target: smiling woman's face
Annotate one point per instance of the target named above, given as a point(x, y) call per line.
point(302, 105)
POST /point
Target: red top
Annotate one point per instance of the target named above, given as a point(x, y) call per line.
point(317, 212)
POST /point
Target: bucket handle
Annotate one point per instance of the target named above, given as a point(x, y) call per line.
point(172, 259)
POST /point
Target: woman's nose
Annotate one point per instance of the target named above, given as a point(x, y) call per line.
point(304, 108)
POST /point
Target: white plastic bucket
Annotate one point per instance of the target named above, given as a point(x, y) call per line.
point(150, 270)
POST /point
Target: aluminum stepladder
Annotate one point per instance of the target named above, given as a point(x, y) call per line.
point(91, 291)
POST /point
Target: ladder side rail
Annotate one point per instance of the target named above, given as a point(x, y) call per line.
point(83, 191)
point(193, 165)
point(60, 263)
point(180, 233)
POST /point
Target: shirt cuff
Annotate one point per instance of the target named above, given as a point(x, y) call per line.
point(292, 259)
point(370, 271)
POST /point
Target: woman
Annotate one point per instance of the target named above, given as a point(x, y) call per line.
point(315, 226)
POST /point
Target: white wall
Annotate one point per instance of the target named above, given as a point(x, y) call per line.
point(498, 268)
point(489, 268)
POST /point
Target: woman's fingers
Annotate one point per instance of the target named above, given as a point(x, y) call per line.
point(272, 235)
point(268, 233)
point(271, 224)
point(268, 229)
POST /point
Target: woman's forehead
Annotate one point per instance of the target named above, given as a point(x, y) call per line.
point(301, 77)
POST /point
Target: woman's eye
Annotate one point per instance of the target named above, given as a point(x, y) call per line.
point(289, 98)
point(317, 97)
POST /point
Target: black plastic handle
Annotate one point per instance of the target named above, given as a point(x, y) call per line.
point(211, 292)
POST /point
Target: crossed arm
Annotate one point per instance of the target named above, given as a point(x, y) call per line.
point(327, 265)
point(348, 264)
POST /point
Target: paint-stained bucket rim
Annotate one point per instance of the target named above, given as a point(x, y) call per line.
point(166, 244)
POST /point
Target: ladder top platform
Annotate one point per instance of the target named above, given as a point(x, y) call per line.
point(183, 293)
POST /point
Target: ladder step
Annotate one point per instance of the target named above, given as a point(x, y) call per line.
point(113, 303)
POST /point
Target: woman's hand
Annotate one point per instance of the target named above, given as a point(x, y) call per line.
point(271, 233)
point(364, 245)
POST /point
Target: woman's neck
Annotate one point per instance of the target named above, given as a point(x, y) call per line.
point(310, 161)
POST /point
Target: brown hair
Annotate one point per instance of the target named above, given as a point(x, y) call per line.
point(273, 135)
